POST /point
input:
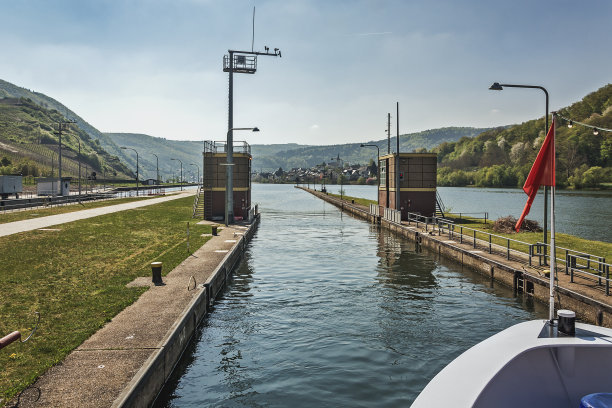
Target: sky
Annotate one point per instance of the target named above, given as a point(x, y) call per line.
point(155, 66)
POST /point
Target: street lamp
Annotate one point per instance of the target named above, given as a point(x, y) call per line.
point(181, 180)
point(229, 171)
point(124, 148)
point(62, 125)
point(377, 159)
point(156, 167)
point(499, 87)
point(79, 159)
point(340, 175)
point(193, 164)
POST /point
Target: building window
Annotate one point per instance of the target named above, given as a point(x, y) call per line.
point(382, 165)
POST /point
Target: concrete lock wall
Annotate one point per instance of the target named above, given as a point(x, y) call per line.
point(150, 379)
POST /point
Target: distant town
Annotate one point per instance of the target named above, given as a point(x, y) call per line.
point(334, 172)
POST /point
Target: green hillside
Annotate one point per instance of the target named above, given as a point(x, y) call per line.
point(8, 90)
point(29, 143)
point(148, 146)
point(504, 156)
point(273, 156)
point(308, 156)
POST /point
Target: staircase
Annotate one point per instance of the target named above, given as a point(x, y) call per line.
point(440, 210)
point(199, 203)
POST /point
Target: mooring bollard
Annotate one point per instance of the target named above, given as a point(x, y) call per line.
point(214, 230)
point(156, 268)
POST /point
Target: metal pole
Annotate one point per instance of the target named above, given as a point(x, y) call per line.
point(78, 140)
point(496, 86)
point(388, 133)
point(397, 179)
point(60, 156)
point(229, 148)
point(553, 254)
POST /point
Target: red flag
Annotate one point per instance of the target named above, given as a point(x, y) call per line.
point(542, 173)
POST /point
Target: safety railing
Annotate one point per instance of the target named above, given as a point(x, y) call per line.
point(484, 216)
point(589, 266)
point(220, 146)
point(375, 210)
point(576, 263)
point(393, 215)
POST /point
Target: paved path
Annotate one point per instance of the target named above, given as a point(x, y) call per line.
point(44, 222)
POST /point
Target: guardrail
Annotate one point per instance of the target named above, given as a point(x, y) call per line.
point(393, 215)
point(589, 266)
point(461, 214)
point(375, 210)
point(8, 206)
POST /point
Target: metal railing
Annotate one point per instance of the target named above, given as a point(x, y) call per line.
point(47, 202)
point(375, 209)
point(485, 216)
point(393, 215)
point(589, 266)
point(219, 146)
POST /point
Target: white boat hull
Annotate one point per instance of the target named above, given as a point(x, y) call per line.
point(520, 367)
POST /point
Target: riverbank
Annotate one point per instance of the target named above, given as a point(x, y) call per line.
point(583, 296)
point(127, 361)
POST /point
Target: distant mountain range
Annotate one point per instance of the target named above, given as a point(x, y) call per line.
point(286, 156)
point(28, 120)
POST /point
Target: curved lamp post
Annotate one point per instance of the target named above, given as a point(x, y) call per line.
point(124, 148)
point(193, 164)
point(500, 87)
point(179, 160)
point(156, 167)
point(377, 159)
point(229, 172)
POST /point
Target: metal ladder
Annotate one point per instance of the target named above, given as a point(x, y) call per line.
point(440, 210)
point(198, 203)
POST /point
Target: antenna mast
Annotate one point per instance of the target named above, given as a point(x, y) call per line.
point(253, 37)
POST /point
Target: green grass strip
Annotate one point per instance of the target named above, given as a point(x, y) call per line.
point(28, 214)
point(76, 278)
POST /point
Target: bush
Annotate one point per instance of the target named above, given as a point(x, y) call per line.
point(505, 225)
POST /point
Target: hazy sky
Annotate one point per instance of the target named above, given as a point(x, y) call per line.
point(155, 66)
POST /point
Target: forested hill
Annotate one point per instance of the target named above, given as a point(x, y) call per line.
point(308, 156)
point(504, 156)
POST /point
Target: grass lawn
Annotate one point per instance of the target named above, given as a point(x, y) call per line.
point(76, 279)
point(599, 248)
point(38, 212)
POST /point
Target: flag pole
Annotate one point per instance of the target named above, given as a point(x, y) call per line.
point(553, 254)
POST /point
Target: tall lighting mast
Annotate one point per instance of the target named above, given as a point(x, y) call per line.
point(242, 62)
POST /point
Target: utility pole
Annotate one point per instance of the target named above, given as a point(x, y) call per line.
point(388, 133)
point(398, 201)
point(62, 125)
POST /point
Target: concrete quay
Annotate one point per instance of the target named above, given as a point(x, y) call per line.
point(583, 296)
point(127, 362)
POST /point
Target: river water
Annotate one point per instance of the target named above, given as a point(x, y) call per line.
point(327, 310)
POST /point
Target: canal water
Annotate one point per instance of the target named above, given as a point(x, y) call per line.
point(327, 310)
point(586, 214)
